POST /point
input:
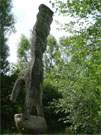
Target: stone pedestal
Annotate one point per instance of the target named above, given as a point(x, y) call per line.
point(34, 124)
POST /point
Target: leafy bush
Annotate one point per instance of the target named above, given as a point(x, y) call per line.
point(7, 108)
point(50, 98)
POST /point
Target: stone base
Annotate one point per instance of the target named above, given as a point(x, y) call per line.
point(34, 124)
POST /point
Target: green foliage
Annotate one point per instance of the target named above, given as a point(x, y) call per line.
point(78, 7)
point(52, 53)
point(50, 98)
point(79, 80)
point(6, 24)
point(23, 52)
point(7, 109)
point(81, 99)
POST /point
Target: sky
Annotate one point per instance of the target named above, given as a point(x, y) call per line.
point(25, 12)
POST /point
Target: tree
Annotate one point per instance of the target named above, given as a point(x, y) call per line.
point(79, 83)
point(80, 76)
point(52, 54)
point(6, 25)
point(23, 52)
point(84, 13)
